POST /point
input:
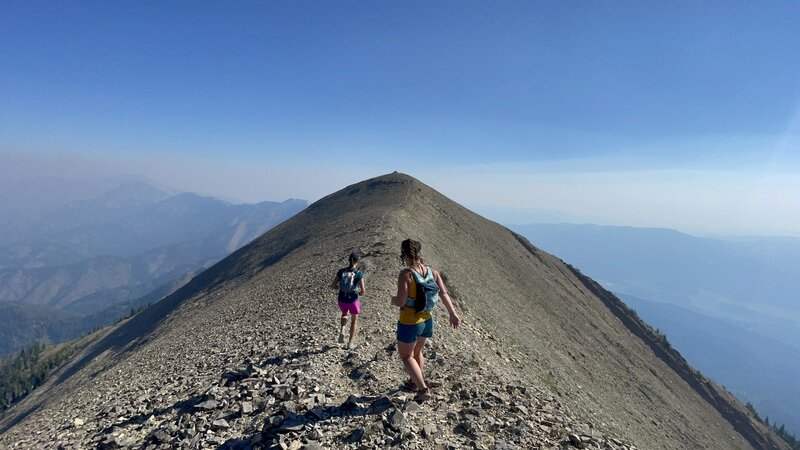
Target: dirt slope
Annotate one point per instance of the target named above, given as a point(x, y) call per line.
point(244, 356)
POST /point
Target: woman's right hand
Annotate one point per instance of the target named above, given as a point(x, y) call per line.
point(455, 321)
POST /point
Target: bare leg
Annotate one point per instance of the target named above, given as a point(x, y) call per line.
point(413, 370)
point(342, 324)
point(418, 353)
point(353, 322)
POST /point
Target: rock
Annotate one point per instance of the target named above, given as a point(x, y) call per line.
point(311, 445)
point(380, 405)
point(245, 408)
point(374, 428)
point(467, 428)
point(473, 411)
point(520, 409)
point(397, 420)
point(220, 424)
point(107, 444)
point(350, 403)
point(428, 431)
point(207, 405)
point(161, 436)
point(319, 413)
point(125, 441)
point(411, 407)
point(78, 422)
point(316, 434)
point(576, 441)
point(292, 422)
point(355, 436)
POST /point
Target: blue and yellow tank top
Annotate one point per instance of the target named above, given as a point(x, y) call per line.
point(408, 315)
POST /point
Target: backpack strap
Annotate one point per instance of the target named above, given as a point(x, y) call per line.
point(409, 300)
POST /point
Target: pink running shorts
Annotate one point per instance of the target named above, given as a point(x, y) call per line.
point(352, 308)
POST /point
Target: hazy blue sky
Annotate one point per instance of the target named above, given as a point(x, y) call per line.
point(678, 114)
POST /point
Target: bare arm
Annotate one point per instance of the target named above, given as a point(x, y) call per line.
point(455, 321)
point(362, 287)
point(335, 283)
point(403, 281)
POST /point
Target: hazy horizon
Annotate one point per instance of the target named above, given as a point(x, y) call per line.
point(683, 116)
point(277, 187)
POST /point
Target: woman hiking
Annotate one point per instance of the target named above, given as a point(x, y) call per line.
point(418, 289)
point(350, 282)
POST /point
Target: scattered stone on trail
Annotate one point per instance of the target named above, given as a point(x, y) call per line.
point(576, 441)
point(207, 405)
point(245, 408)
point(380, 405)
point(220, 424)
point(355, 436)
point(351, 402)
point(411, 407)
point(397, 420)
point(161, 436)
point(292, 422)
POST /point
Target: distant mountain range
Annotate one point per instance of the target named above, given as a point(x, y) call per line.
point(94, 258)
point(728, 305)
point(22, 198)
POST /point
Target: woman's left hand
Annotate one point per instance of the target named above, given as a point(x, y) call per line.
point(455, 321)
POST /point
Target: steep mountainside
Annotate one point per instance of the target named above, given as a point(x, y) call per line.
point(244, 356)
point(728, 305)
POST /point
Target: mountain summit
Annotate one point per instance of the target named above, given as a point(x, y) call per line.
point(244, 355)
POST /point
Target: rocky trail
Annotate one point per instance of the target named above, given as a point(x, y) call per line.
point(268, 385)
point(305, 392)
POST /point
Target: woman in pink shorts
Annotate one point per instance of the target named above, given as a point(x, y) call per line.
point(350, 282)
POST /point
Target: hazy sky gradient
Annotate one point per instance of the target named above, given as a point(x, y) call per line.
point(681, 114)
